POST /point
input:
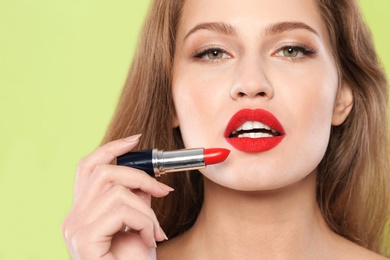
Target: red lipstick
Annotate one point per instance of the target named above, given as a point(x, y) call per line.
point(254, 130)
point(215, 155)
point(157, 162)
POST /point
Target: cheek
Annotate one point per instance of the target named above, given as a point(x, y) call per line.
point(320, 103)
point(311, 117)
point(316, 107)
point(197, 105)
point(317, 118)
point(308, 98)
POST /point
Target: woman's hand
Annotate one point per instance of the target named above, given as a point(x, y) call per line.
point(109, 199)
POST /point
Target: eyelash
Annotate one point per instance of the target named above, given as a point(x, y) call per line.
point(303, 50)
point(208, 50)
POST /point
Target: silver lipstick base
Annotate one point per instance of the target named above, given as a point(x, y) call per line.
point(178, 160)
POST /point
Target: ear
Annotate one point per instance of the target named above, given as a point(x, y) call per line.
point(343, 104)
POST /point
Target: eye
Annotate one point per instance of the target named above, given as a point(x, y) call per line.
point(294, 52)
point(212, 54)
point(290, 52)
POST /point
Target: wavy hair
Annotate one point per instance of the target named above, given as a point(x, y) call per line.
point(354, 176)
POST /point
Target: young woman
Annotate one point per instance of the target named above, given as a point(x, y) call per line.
point(313, 184)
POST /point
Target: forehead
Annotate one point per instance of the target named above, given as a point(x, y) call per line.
point(251, 16)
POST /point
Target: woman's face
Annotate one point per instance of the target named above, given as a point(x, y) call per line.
point(256, 77)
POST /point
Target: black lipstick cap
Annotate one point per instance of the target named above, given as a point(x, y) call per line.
point(141, 160)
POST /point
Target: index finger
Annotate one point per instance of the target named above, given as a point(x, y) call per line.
point(103, 155)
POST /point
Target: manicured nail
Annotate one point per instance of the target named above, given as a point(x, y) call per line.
point(163, 233)
point(132, 138)
point(154, 243)
point(125, 228)
point(165, 187)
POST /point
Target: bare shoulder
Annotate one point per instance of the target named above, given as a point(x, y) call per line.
point(363, 253)
point(346, 249)
point(341, 248)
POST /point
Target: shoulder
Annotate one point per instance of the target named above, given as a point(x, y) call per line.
point(362, 253)
point(345, 249)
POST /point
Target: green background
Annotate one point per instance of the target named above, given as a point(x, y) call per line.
point(62, 65)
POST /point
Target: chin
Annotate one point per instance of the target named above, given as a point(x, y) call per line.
point(251, 179)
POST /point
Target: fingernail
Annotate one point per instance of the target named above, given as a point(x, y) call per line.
point(165, 187)
point(132, 138)
point(154, 243)
point(163, 233)
point(125, 228)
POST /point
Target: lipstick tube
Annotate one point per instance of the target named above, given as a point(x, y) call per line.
point(157, 162)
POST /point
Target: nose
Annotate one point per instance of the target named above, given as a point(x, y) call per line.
point(251, 81)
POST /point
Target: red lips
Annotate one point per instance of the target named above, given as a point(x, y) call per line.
point(257, 144)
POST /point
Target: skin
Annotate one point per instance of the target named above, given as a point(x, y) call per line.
point(106, 199)
point(260, 211)
point(263, 210)
point(254, 73)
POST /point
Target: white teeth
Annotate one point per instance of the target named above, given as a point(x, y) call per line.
point(254, 135)
point(258, 125)
point(254, 125)
point(247, 125)
point(250, 125)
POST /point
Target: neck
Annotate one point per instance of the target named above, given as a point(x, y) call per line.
point(277, 223)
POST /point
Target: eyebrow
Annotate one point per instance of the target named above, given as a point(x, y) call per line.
point(228, 29)
point(287, 26)
point(218, 27)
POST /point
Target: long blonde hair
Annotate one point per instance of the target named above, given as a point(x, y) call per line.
point(353, 177)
